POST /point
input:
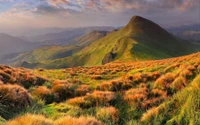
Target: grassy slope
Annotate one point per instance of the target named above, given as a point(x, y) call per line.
point(140, 40)
point(147, 103)
point(57, 52)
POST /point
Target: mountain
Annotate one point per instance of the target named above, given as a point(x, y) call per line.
point(188, 35)
point(54, 52)
point(30, 32)
point(10, 44)
point(187, 32)
point(66, 36)
point(40, 54)
point(192, 27)
point(88, 38)
point(140, 39)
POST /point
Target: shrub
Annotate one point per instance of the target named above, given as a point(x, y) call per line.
point(5, 77)
point(64, 91)
point(98, 98)
point(172, 67)
point(136, 96)
point(82, 90)
point(179, 83)
point(30, 119)
point(14, 97)
point(78, 101)
point(77, 121)
point(108, 114)
point(138, 78)
point(154, 75)
point(96, 77)
point(44, 93)
point(164, 81)
point(186, 73)
point(153, 112)
point(158, 93)
point(115, 85)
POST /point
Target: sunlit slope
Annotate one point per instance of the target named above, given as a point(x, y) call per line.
point(139, 40)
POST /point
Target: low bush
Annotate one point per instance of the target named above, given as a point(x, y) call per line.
point(13, 98)
point(108, 115)
point(30, 119)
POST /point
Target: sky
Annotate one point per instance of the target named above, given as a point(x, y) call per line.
point(32, 14)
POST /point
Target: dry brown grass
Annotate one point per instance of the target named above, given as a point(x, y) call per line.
point(14, 96)
point(30, 119)
point(77, 121)
point(164, 81)
point(82, 90)
point(96, 98)
point(108, 114)
point(115, 85)
point(153, 112)
point(136, 95)
point(179, 83)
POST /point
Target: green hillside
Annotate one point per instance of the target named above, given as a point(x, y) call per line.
point(139, 40)
point(90, 37)
point(54, 52)
point(45, 53)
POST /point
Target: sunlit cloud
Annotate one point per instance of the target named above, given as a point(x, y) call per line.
point(64, 13)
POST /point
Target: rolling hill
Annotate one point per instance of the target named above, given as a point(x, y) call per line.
point(90, 37)
point(54, 52)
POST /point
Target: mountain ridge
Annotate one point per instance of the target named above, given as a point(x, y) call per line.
point(139, 40)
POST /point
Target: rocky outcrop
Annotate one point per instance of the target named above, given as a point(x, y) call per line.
point(109, 57)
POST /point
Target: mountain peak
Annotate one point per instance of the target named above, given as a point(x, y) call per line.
point(139, 21)
point(137, 18)
point(140, 25)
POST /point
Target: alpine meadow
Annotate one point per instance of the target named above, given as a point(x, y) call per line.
point(99, 62)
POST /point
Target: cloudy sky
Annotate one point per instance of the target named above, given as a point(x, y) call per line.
point(23, 14)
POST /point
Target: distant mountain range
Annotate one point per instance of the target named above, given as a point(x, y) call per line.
point(10, 44)
point(140, 39)
point(66, 36)
point(187, 32)
point(55, 52)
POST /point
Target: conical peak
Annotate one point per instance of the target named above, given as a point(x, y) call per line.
point(137, 18)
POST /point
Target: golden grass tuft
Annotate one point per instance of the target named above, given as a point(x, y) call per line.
point(179, 83)
point(100, 97)
point(108, 114)
point(14, 96)
point(76, 101)
point(153, 112)
point(77, 121)
point(30, 119)
point(164, 81)
point(135, 95)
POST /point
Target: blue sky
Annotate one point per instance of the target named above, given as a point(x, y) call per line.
point(24, 14)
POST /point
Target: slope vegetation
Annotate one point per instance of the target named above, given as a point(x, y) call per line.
point(149, 92)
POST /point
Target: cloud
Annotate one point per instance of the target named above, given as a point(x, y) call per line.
point(141, 5)
point(6, 0)
point(67, 13)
